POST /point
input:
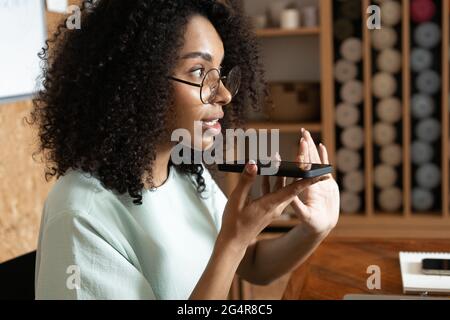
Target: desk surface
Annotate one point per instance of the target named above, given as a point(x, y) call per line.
point(339, 267)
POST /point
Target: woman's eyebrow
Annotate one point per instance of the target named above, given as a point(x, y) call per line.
point(196, 54)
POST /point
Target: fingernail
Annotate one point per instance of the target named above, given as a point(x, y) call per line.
point(277, 156)
point(250, 166)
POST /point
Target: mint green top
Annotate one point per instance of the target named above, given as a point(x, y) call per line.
point(96, 244)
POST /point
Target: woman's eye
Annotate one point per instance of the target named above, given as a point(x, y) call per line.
point(198, 72)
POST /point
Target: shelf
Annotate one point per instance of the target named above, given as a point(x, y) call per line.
point(277, 32)
point(286, 127)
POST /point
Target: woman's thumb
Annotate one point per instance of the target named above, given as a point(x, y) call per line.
point(245, 183)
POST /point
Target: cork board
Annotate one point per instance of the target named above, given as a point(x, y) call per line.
point(23, 188)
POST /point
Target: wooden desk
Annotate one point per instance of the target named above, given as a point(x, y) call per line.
point(339, 267)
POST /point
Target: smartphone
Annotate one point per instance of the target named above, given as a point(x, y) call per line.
point(282, 168)
point(439, 267)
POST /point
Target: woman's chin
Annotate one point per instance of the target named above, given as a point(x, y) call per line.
point(207, 143)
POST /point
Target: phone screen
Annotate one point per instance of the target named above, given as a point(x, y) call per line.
point(436, 264)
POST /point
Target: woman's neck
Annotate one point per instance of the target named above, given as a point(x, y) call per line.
point(160, 170)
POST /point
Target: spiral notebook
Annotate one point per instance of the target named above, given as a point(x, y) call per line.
point(414, 281)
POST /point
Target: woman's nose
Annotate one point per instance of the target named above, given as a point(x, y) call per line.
point(224, 96)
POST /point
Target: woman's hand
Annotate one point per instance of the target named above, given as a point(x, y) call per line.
point(244, 219)
point(317, 206)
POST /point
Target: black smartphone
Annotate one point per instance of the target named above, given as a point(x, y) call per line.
point(281, 168)
point(439, 267)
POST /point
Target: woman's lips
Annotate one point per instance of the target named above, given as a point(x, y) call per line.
point(213, 126)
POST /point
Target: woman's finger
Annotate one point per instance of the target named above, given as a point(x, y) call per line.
point(323, 154)
point(301, 209)
point(241, 192)
point(303, 156)
point(281, 198)
point(300, 151)
point(314, 154)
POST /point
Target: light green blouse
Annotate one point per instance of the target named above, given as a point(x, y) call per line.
point(95, 244)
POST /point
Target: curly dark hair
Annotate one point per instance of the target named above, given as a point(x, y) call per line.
point(106, 94)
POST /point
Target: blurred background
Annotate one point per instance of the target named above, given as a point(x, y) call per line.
point(376, 95)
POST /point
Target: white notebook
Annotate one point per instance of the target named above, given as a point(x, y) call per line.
point(414, 281)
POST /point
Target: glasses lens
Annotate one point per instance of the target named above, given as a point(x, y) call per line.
point(210, 86)
point(233, 80)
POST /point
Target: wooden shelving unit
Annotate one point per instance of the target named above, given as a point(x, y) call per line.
point(372, 221)
point(277, 32)
point(405, 223)
point(406, 74)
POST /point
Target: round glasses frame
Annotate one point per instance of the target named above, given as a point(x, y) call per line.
point(233, 75)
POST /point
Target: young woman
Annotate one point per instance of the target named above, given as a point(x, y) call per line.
point(124, 222)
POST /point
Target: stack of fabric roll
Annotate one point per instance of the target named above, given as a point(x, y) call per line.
point(425, 103)
point(349, 117)
point(386, 90)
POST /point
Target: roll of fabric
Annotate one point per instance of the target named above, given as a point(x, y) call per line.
point(351, 49)
point(389, 110)
point(421, 59)
point(428, 130)
point(353, 137)
point(353, 181)
point(350, 202)
point(422, 106)
point(352, 92)
point(391, 199)
point(348, 160)
point(428, 82)
point(391, 13)
point(422, 10)
point(384, 38)
point(428, 176)
point(390, 61)
point(427, 35)
point(385, 176)
point(384, 134)
point(421, 152)
point(345, 71)
point(392, 155)
point(422, 199)
point(347, 115)
point(384, 85)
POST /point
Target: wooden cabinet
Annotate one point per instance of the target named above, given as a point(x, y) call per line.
point(372, 221)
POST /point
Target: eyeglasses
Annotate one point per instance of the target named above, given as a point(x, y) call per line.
point(211, 83)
